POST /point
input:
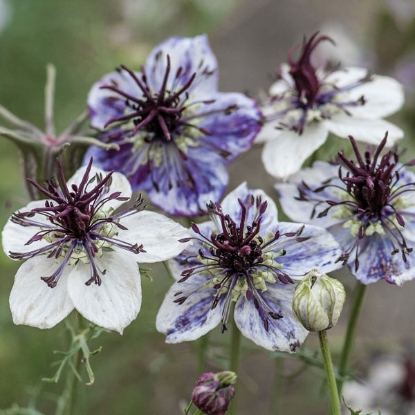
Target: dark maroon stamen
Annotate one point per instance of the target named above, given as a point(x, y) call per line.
point(74, 221)
point(304, 73)
point(235, 253)
point(371, 181)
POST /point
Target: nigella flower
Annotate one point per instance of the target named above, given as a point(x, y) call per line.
point(244, 256)
point(367, 204)
point(175, 131)
point(82, 253)
point(308, 103)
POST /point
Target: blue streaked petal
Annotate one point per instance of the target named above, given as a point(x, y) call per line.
point(285, 334)
point(320, 251)
point(193, 318)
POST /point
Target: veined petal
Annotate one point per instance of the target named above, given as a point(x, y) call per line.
point(192, 55)
point(368, 131)
point(32, 301)
point(193, 318)
point(116, 302)
point(284, 334)
point(15, 236)
point(185, 186)
point(288, 151)
point(158, 234)
point(230, 132)
point(119, 183)
point(105, 104)
point(383, 96)
point(302, 211)
point(376, 262)
point(320, 251)
point(231, 206)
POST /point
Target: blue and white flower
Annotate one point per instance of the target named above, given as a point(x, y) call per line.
point(308, 103)
point(175, 131)
point(245, 257)
point(367, 204)
point(82, 253)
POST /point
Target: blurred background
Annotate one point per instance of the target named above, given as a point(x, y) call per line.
point(137, 373)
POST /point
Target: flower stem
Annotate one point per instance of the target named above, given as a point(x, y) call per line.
point(358, 297)
point(201, 353)
point(331, 379)
point(235, 353)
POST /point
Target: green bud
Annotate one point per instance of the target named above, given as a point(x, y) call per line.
point(318, 301)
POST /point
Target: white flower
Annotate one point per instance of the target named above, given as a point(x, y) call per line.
point(81, 253)
point(307, 104)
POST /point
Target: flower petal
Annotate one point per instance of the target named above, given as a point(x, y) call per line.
point(376, 262)
point(368, 131)
point(346, 76)
point(313, 177)
point(192, 55)
point(15, 236)
point(288, 151)
point(158, 234)
point(231, 207)
point(319, 251)
point(32, 301)
point(383, 96)
point(285, 334)
point(116, 302)
point(193, 318)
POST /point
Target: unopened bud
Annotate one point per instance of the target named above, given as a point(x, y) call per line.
point(318, 301)
point(213, 392)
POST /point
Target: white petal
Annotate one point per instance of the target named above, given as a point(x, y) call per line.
point(383, 96)
point(269, 130)
point(231, 206)
point(368, 131)
point(346, 76)
point(32, 301)
point(158, 234)
point(116, 302)
point(301, 211)
point(285, 334)
point(15, 236)
point(288, 151)
point(119, 183)
point(191, 319)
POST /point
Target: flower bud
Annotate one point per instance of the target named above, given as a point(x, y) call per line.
point(213, 392)
point(318, 301)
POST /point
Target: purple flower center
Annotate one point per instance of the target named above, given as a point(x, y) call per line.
point(159, 113)
point(78, 226)
point(373, 197)
point(240, 260)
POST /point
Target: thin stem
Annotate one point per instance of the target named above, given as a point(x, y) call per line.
point(358, 297)
point(275, 408)
point(49, 97)
point(331, 379)
point(235, 353)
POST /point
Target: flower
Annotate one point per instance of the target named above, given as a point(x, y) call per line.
point(213, 392)
point(318, 301)
point(81, 253)
point(39, 149)
point(308, 103)
point(366, 204)
point(244, 256)
point(175, 131)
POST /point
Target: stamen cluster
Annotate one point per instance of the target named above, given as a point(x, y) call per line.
point(77, 225)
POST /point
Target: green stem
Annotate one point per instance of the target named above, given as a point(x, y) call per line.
point(235, 353)
point(331, 378)
point(358, 297)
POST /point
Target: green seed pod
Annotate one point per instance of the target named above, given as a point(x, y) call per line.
point(318, 301)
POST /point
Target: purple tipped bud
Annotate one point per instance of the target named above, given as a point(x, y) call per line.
point(213, 392)
point(195, 228)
